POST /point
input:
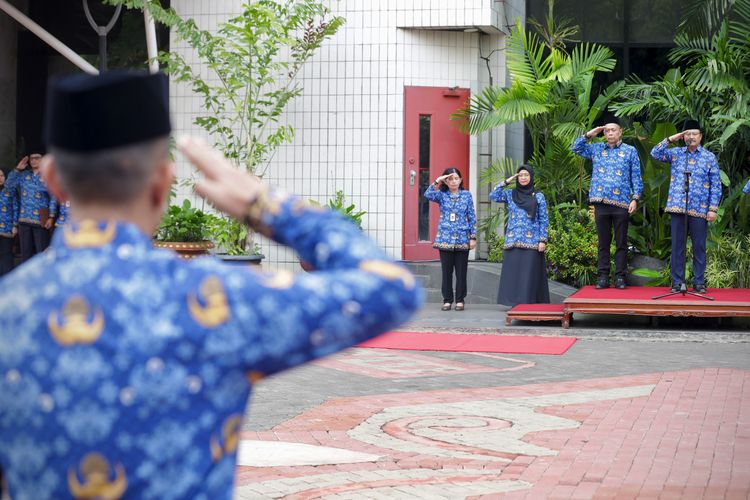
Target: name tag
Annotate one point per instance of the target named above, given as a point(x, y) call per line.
point(453, 217)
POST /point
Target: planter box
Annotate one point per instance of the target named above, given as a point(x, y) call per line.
point(241, 260)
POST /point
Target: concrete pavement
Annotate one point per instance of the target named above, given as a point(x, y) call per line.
point(630, 411)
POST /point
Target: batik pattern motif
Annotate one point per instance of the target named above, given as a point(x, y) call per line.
point(616, 172)
point(522, 230)
point(32, 197)
point(453, 234)
point(8, 212)
point(704, 190)
point(125, 371)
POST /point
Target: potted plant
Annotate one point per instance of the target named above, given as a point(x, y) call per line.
point(230, 237)
point(184, 229)
point(246, 77)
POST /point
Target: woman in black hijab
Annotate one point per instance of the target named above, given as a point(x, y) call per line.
point(524, 275)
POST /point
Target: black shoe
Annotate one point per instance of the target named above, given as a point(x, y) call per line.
point(620, 283)
point(675, 288)
point(699, 288)
point(602, 282)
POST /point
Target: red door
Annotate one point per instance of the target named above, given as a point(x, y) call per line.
point(432, 143)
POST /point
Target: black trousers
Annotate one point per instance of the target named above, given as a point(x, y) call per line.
point(33, 239)
point(6, 255)
point(697, 228)
point(608, 217)
point(457, 261)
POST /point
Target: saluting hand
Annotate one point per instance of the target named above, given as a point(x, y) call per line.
point(227, 188)
point(676, 137)
point(594, 132)
point(512, 178)
point(23, 163)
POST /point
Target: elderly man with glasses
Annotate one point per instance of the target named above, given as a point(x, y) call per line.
point(693, 199)
point(616, 187)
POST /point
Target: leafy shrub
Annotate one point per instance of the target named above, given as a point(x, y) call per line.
point(572, 248)
point(348, 211)
point(495, 244)
point(184, 224)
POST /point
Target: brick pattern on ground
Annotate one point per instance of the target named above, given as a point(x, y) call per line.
point(666, 435)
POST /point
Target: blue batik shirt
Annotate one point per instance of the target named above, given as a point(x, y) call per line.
point(746, 189)
point(522, 230)
point(8, 212)
point(704, 191)
point(454, 231)
point(125, 371)
point(616, 172)
point(33, 197)
point(62, 214)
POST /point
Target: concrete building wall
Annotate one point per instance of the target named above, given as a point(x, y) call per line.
point(349, 119)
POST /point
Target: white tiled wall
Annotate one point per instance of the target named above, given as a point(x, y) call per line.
point(349, 119)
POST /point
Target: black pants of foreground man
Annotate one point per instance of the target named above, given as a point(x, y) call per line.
point(33, 239)
point(607, 218)
point(450, 261)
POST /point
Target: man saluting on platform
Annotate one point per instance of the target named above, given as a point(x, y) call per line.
point(695, 167)
point(616, 187)
point(125, 371)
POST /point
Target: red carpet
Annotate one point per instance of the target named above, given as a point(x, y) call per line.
point(632, 293)
point(415, 341)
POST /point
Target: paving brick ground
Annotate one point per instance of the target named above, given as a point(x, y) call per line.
point(655, 414)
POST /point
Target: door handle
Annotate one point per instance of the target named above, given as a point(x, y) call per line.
point(412, 176)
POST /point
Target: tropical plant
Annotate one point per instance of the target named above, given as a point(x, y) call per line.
point(710, 82)
point(572, 249)
point(650, 227)
point(183, 223)
point(349, 211)
point(246, 75)
point(551, 91)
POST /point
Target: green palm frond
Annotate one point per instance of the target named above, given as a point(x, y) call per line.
point(496, 106)
point(498, 170)
point(526, 59)
point(703, 18)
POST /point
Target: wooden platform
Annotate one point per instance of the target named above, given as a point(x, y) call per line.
point(637, 301)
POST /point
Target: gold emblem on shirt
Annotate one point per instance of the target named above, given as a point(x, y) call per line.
point(88, 235)
point(616, 191)
point(618, 172)
point(230, 437)
point(621, 154)
point(706, 185)
point(75, 327)
point(388, 270)
point(604, 153)
point(216, 308)
point(97, 483)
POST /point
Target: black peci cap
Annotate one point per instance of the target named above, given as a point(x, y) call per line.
point(606, 119)
point(691, 124)
point(88, 113)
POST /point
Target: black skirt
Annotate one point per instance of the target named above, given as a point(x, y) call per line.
point(523, 279)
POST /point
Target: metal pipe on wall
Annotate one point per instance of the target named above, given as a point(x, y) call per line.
point(48, 38)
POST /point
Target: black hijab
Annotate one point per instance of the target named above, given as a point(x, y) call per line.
point(524, 196)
